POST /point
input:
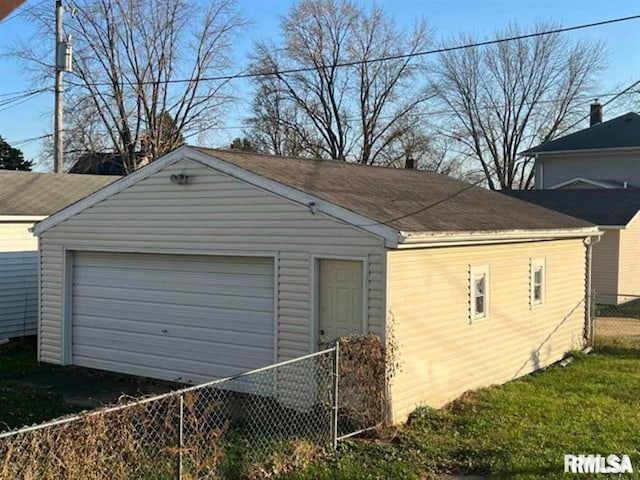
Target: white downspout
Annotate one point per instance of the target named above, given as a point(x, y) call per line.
point(589, 242)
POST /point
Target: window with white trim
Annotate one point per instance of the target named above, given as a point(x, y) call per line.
point(537, 281)
point(479, 292)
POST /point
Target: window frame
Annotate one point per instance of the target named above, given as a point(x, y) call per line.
point(534, 264)
point(474, 272)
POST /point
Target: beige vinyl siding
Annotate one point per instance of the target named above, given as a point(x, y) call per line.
point(629, 261)
point(442, 354)
point(16, 237)
point(213, 214)
point(606, 260)
point(18, 280)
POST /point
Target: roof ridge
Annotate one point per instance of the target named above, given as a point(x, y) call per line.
point(317, 159)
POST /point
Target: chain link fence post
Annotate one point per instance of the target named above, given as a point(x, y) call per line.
point(180, 434)
point(594, 317)
point(336, 381)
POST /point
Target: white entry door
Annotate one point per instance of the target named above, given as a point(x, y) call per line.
point(341, 299)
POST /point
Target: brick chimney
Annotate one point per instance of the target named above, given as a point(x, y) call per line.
point(595, 115)
point(410, 163)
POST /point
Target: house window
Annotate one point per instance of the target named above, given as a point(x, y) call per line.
point(537, 281)
point(479, 292)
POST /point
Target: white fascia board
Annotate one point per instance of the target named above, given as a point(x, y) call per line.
point(109, 190)
point(439, 239)
point(595, 183)
point(389, 234)
point(22, 218)
point(585, 151)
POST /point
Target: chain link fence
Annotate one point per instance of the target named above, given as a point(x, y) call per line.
point(254, 425)
point(616, 320)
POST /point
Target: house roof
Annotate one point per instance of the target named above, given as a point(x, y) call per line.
point(41, 194)
point(604, 207)
point(619, 132)
point(407, 200)
point(99, 163)
point(401, 206)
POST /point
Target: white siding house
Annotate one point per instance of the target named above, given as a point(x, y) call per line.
point(26, 198)
point(207, 263)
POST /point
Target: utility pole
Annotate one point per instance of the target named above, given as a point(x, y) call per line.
point(63, 64)
point(58, 158)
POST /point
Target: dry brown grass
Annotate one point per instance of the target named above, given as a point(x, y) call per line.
point(137, 442)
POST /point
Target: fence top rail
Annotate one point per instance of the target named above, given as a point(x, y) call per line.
point(162, 396)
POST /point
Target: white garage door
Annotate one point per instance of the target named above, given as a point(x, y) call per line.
point(174, 317)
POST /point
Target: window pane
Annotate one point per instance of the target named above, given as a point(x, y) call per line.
point(479, 305)
point(480, 285)
point(537, 293)
point(537, 276)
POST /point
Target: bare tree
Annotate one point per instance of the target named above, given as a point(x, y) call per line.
point(128, 56)
point(352, 107)
point(275, 127)
point(509, 96)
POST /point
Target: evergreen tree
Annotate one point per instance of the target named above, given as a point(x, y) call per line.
point(12, 158)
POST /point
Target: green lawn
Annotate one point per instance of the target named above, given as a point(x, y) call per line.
point(22, 404)
point(519, 430)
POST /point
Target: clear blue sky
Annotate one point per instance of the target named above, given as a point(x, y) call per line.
point(446, 17)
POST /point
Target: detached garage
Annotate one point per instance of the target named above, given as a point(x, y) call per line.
point(208, 263)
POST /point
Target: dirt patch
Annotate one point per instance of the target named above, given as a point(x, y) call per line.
point(92, 388)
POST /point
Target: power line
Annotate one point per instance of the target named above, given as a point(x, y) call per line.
point(22, 92)
point(493, 170)
point(401, 56)
point(626, 91)
point(19, 99)
point(29, 140)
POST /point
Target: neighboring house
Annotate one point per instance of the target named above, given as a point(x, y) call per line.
point(103, 163)
point(25, 198)
point(616, 258)
point(605, 155)
point(207, 263)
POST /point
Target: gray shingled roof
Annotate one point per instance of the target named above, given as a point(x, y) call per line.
point(408, 200)
point(31, 193)
point(604, 207)
point(619, 132)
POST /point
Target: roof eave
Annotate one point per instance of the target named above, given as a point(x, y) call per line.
point(438, 239)
point(22, 218)
point(534, 152)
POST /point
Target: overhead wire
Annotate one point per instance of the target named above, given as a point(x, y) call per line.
point(399, 56)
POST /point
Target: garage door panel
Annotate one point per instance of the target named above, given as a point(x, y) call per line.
point(192, 351)
point(169, 280)
point(192, 318)
point(260, 302)
point(177, 263)
point(94, 326)
point(225, 319)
